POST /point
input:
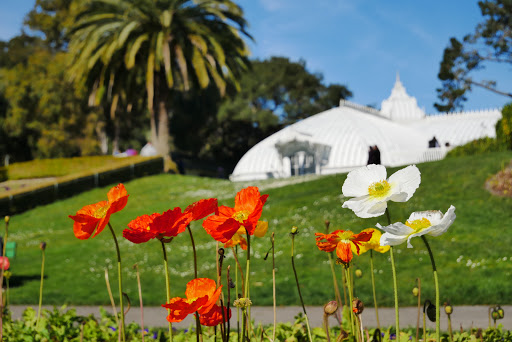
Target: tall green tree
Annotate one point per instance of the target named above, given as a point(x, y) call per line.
point(490, 43)
point(175, 44)
point(274, 93)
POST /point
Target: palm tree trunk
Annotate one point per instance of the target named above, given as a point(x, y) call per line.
point(162, 123)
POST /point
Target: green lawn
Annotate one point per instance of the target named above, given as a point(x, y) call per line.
point(474, 257)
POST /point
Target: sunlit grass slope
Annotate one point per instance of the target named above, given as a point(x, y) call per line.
point(474, 257)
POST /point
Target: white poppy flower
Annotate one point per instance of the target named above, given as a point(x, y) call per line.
point(431, 222)
point(371, 189)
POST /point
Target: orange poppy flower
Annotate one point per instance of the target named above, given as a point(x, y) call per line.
point(246, 213)
point(201, 295)
point(342, 241)
point(97, 215)
point(170, 223)
point(237, 239)
point(214, 316)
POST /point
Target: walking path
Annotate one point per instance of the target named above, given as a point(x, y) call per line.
point(463, 316)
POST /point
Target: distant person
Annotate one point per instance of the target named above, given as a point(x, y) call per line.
point(433, 143)
point(148, 150)
point(377, 154)
point(371, 156)
point(374, 155)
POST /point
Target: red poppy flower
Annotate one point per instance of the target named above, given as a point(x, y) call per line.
point(247, 211)
point(139, 230)
point(214, 316)
point(97, 215)
point(4, 263)
point(202, 208)
point(170, 223)
point(201, 295)
point(342, 241)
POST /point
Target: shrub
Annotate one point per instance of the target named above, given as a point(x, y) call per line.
point(479, 146)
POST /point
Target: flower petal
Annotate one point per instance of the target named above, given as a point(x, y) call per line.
point(117, 198)
point(408, 179)
point(397, 228)
point(358, 181)
point(202, 208)
point(366, 206)
point(388, 239)
point(444, 223)
point(344, 252)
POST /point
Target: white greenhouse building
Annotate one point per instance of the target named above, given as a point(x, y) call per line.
point(338, 139)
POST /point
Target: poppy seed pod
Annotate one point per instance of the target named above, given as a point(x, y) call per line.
point(330, 308)
point(359, 273)
point(501, 312)
point(357, 306)
point(42, 246)
point(294, 230)
point(448, 308)
point(7, 218)
point(415, 291)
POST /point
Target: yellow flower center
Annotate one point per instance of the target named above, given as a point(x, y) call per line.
point(101, 212)
point(346, 236)
point(379, 189)
point(419, 224)
point(241, 215)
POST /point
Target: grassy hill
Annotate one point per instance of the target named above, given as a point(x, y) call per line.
point(474, 257)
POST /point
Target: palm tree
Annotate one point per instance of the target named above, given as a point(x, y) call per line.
point(174, 44)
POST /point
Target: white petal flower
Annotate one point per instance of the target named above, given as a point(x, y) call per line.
point(431, 222)
point(371, 189)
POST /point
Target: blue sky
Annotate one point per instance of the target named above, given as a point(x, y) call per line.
point(359, 43)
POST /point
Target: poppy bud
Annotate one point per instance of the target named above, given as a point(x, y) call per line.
point(359, 273)
point(7, 218)
point(7, 274)
point(415, 291)
point(294, 230)
point(357, 306)
point(221, 251)
point(501, 312)
point(342, 336)
point(448, 308)
point(331, 307)
point(495, 315)
point(42, 245)
point(327, 224)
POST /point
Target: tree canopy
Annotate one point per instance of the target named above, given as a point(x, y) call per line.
point(490, 43)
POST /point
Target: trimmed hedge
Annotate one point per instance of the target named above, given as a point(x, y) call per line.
point(71, 185)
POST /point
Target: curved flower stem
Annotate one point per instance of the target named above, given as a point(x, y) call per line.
point(40, 291)
point(373, 287)
point(167, 285)
point(120, 278)
point(436, 283)
point(298, 288)
point(395, 283)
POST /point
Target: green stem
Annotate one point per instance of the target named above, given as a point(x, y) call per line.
point(140, 301)
point(247, 274)
point(419, 310)
point(395, 283)
point(436, 283)
point(167, 285)
point(40, 292)
point(373, 287)
point(298, 288)
point(120, 281)
point(274, 300)
point(395, 290)
point(199, 333)
point(349, 290)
